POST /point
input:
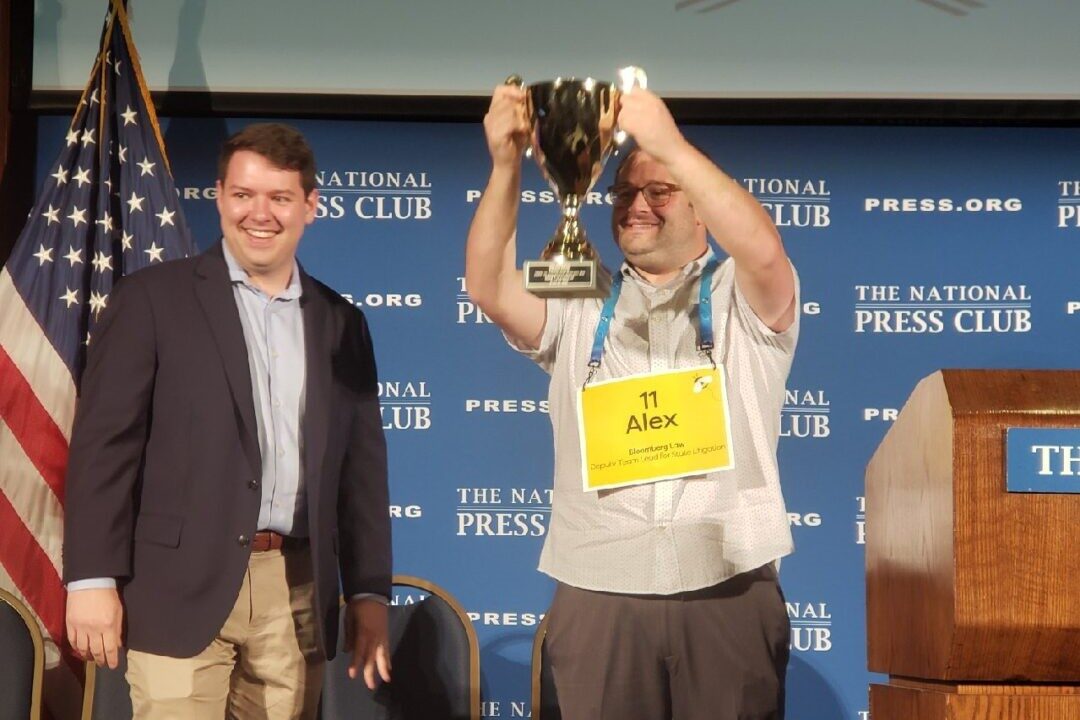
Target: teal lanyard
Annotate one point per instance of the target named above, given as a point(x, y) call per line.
point(705, 331)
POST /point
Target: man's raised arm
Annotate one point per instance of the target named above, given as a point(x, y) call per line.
point(491, 275)
point(732, 215)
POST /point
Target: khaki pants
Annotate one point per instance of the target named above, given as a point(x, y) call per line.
point(263, 664)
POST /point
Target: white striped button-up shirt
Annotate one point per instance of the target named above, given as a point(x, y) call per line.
point(675, 535)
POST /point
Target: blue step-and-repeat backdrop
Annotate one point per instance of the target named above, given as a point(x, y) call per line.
point(918, 248)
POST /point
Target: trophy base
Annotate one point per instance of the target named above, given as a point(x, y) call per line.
point(571, 278)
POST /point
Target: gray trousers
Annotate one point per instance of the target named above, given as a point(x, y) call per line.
point(714, 654)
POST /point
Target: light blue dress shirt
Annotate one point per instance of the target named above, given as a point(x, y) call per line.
point(274, 335)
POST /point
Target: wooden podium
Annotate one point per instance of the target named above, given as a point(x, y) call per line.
point(972, 592)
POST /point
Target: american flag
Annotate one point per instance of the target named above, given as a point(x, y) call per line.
point(108, 207)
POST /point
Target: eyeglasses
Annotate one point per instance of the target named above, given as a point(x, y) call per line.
point(657, 194)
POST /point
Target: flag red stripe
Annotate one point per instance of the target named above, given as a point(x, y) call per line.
point(30, 568)
point(32, 571)
point(36, 580)
point(32, 426)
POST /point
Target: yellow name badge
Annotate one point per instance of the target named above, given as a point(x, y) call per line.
point(645, 428)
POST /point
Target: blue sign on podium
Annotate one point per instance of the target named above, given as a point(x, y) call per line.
point(1042, 460)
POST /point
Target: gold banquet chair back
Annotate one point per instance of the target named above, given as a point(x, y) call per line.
point(545, 701)
point(436, 665)
point(22, 660)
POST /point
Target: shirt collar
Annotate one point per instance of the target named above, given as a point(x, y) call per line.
point(690, 270)
point(238, 275)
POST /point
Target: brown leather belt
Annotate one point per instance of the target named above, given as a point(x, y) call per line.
point(269, 540)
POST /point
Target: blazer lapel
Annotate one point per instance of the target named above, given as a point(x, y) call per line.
point(318, 353)
point(214, 290)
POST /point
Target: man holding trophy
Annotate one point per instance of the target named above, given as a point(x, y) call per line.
point(667, 381)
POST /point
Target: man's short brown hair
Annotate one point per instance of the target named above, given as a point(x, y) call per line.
point(628, 157)
point(283, 145)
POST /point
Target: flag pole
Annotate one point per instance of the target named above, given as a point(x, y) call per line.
point(125, 28)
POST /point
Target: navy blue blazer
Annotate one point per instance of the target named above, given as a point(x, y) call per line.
point(164, 467)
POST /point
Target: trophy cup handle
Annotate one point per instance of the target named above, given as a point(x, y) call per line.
point(518, 81)
point(630, 77)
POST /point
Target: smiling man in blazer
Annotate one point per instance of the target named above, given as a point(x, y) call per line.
point(227, 461)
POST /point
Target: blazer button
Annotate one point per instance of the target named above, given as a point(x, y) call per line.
point(253, 484)
point(243, 540)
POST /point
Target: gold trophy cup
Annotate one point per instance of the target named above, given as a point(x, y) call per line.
point(573, 129)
